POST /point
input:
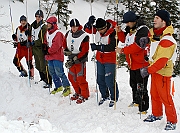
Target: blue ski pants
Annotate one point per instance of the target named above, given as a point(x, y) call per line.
point(56, 70)
point(106, 79)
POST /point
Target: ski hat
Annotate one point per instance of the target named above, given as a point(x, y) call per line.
point(40, 13)
point(164, 15)
point(74, 22)
point(52, 20)
point(23, 18)
point(101, 24)
point(129, 16)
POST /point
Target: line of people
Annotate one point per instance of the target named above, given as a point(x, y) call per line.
point(49, 45)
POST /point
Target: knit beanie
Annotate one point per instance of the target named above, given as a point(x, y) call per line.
point(52, 20)
point(40, 13)
point(129, 16)
point(74, 22)
point(101, 24)
point(164, 15)
point(23, 18)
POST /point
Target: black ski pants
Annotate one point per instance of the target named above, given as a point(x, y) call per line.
point(140, 96)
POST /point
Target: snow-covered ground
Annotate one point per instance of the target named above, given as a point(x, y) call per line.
point(25, 109)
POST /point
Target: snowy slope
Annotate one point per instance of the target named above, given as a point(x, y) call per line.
point(25, 109)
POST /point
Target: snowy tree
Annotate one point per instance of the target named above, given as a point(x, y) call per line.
point(113, 11)
point(62, 12)
point(47, 6)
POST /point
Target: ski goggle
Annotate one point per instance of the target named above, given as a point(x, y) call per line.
point(37, 16)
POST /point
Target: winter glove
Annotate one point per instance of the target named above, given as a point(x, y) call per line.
point(15, 44)
point(32, 43)
point(143, 41)
point(97, 47)
point(93, 46)
point(27, 33)
point(14, 37)
point(144, 72)
point(45, 49)
point(91, 20)
point(76, 60)
point(28, 44)
point(67, 52)
point(69, 64)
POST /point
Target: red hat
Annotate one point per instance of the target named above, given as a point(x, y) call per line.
point(52, 20)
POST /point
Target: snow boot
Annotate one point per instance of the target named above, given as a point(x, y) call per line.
point(103, 100)
point(56, 90)
point(143, 112)
point(170, 126)
point(111, 103)
point(23, 73)
point(133, 105)
point(46, 85)
point(66, 91)
point(152, 118)
point(81, 99)
point(75, 97)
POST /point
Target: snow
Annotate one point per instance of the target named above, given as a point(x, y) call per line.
point(25, 109)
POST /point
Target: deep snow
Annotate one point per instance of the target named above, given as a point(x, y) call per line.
point(25, 109)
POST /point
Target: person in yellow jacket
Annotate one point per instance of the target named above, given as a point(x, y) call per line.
point(162, 55)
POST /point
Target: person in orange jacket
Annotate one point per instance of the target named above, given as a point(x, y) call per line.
point(162, 55)
point(23, 48)
point(76, 47)
point(136, 40)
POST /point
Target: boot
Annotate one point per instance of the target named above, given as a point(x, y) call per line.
point(23, 73)
point(103, 100)
point(152, 118)
point(48, 82)
point(75, 97)
point(66, 91)
point(170, 126)
point(56, 90)
point(80, 100)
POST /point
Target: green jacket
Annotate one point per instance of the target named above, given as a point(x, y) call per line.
point(39, 37)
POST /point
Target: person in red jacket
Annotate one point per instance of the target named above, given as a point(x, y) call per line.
point(105, 44)
point(162, 56)
point(76, 47)
point(22, 42)
point(55, 57)
point(135, 41)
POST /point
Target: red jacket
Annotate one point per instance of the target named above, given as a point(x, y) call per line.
point(56, 49)
point(21, 46)
point(135, 55)
point(109, 54)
